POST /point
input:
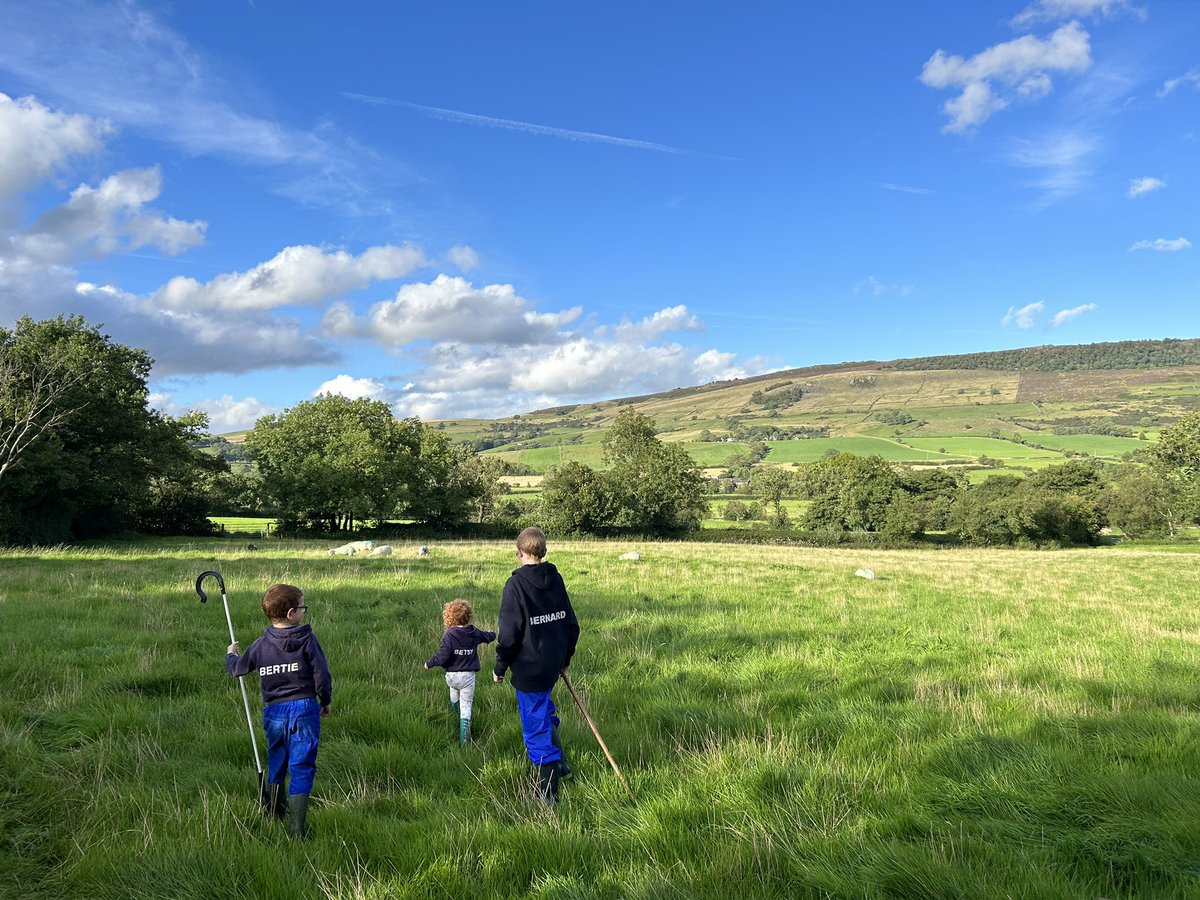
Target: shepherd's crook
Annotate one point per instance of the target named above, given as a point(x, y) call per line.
point(596, 731)
point(242, 679)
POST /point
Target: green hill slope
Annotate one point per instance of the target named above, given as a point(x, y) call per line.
point(1026, 408)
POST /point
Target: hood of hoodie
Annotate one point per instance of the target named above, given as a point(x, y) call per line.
point(289, 639)
point(536, 576)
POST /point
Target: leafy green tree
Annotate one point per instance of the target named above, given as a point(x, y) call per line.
point(772, 484)
point(933, 492)
point(1005, 509)
point(331, 461)
point(179, 499)
point(1176, 457)
point(99, 454)
point(1143, 502)
point(575, 499)
point(856, 493)
point(448, 482)
point(655, 486)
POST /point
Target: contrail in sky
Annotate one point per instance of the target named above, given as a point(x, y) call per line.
point(454, 115)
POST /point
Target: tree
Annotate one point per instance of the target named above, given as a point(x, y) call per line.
point(1005, 509)
point(575, 499)
point(331, 461)
point(90, 470)
point(771, 483)
point(655, 486)
point(447, 483)
point(856, 493)
point(1176, 457)
point(31, 401)
point(1143, 503)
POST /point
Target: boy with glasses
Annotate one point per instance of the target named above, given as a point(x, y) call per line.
point(296, 693)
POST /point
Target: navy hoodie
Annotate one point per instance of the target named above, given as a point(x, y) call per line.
point(460, 648)
point(538, 628)
point(290, 664)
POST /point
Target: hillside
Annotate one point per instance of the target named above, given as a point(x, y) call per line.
point(1026, 408)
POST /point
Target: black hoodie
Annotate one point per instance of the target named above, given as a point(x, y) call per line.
point(290, 664)
point(538, 628)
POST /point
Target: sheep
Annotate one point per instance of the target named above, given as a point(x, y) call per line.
point(352, 548)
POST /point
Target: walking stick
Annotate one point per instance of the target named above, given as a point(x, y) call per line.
point(262, 791)
point(596, 731)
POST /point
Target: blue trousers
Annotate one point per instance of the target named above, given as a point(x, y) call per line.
point(293, 729)
point(538, 721)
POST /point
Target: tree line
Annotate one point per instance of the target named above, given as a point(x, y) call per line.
point(82, 455)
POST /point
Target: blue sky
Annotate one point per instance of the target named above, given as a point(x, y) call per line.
point(479, 209)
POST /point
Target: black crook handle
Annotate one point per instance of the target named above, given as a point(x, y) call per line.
point(200, 579)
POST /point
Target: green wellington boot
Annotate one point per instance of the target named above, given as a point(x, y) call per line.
point(464, 731)
point(298, 807)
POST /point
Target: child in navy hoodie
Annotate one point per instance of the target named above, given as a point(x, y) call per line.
point(538, 634)
point(459, 656)
point(296, 693)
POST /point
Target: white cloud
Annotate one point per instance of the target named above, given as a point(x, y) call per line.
point(295, 276)
point(1168, 245)
point(1066, 315)
point(1059, 10)
point(38, 141)
point(1023, 317)
point(452, 309)
point(105, 220)
point(464, 257)
point(194, 341)
point(1192, 78)
point(1140, 186)
point(664, 321)
point(352, 388)
point(1021, 66)
point(225, 414)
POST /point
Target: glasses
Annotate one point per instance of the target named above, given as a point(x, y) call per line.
point(301, 608)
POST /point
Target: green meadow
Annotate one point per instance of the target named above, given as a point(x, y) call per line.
point(970, 723)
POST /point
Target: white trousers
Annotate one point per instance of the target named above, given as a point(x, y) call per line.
point(462, 691)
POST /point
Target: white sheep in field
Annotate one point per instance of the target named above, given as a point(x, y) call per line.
point(382, 550)
point(352, 548)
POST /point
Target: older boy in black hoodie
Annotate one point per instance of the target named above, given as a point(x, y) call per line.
point(296, 692)
point(538, 634)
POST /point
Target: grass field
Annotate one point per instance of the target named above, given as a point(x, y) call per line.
point(814, 448)
point(1102, 445)
point(969, 724)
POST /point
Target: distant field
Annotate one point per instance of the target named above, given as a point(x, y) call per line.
point(814, 448)
point(541, 459)
point(1092, 444)
point(974, 447)
point(710, 455)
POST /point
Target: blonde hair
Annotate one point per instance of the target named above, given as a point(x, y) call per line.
point(532, 541)
point(457, 612)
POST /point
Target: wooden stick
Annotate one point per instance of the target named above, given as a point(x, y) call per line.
point(596, 731)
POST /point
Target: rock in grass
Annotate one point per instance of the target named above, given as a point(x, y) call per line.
point(632, 554)
point(865, 573)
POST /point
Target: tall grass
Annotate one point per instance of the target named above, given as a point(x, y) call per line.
point(968, 724)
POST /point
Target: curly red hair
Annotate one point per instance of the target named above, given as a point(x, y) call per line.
point(457, 612)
